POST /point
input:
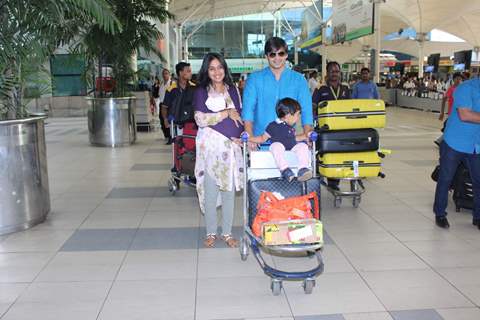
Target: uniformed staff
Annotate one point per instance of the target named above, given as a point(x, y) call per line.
point(184, 74)
point(332, 90)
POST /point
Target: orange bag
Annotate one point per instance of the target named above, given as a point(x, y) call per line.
point(270, 208)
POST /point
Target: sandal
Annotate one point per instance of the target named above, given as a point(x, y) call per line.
point(229, 240)
point(209, 241)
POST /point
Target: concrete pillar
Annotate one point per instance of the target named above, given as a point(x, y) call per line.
point(295, 48)
point(378, 38)
point(421, 59)
point(324, 53)
point(180, 43)
point(166, 36)
point(274, 26)
point(421, 38)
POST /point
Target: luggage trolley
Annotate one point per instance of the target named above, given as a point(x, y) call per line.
point(352, 167)
point(252, 188)
point(356, 190)
point(183, 155)
point(352, 155)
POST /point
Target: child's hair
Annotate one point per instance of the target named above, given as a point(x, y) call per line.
point(286, 106)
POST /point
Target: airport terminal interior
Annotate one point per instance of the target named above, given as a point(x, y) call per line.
point(117, 245)
point(91, 229)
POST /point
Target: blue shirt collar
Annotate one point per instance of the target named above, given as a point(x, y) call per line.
point(268, 71)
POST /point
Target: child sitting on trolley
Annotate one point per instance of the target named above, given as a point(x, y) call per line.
point(281, 133)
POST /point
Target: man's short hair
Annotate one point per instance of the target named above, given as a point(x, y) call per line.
point(275, 43)
point(365, 69)
point(331, 64)
point(457, 75)
point(180, 66)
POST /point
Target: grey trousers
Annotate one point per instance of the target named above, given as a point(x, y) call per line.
point(228, 206)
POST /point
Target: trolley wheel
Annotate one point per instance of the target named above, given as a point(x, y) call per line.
point(172, 186)
point(308, 285)
point(356, 201)
point(457, 209)
point(243, 249)
point(337, 202)
point(276, 286)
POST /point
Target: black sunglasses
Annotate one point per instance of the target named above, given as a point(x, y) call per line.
point(281, 54)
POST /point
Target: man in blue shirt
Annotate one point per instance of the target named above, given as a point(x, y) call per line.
point(461, 144)
point(266, 87)
point(365, 89)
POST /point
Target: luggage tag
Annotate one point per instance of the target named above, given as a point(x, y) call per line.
point(301, 233)
point(278, 195)
point(356, 172)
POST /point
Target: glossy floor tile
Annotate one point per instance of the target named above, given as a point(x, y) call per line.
point(118, 245)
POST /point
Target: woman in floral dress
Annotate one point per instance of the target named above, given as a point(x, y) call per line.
point(218, 167)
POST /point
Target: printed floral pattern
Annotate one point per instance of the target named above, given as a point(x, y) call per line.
point(218, 157)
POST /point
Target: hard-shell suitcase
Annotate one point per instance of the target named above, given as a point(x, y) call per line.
point(350, 165)
point(351, 114)
point(357, 140)
point(462, 189)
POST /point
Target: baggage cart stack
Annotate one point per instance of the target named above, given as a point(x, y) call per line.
point(348, 144)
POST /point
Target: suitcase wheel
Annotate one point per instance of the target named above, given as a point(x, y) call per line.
point(337, 202)
point(356, 201)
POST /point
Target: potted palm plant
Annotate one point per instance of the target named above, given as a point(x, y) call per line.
point(111, 115)
point(30, 30)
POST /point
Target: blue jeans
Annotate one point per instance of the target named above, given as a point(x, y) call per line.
point(449, 161)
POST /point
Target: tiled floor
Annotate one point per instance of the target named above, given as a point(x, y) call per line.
point(118, 246)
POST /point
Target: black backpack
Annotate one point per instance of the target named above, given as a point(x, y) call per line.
point(182, 106)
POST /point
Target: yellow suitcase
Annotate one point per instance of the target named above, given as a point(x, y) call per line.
point(351, 114)
point(350, 165)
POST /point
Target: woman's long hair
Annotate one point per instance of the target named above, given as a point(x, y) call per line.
point(203, 78)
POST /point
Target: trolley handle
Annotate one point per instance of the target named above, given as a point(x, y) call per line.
point(244, 137)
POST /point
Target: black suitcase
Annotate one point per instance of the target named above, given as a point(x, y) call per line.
point(285, 188)
point(340, 141)
point(462, 189)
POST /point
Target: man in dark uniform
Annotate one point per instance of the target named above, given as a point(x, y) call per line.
point(332, 90)
point(184, 74)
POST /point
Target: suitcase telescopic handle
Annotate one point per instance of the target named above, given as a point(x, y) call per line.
point(354, 141)
point(356, 117)
point(323, 104)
